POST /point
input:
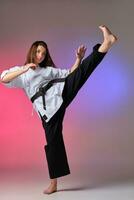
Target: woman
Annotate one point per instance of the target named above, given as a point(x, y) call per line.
point(51, 90)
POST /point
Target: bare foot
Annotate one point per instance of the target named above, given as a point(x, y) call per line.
point(51, 189)
point(108, 36)
point(109, 39)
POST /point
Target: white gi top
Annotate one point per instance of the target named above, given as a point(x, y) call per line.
point(30, 82)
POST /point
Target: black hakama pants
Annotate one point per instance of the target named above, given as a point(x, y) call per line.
point(55, 149)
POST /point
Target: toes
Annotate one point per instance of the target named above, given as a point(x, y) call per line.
point(102, 26)
point(49, 192)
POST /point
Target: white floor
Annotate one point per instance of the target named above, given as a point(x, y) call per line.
point(29, 186)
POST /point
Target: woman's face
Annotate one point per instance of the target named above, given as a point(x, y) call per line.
point(40, 54)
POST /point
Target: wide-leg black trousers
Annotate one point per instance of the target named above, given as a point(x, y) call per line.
point(55, 149)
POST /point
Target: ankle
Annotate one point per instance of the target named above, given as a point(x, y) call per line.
point(54, 181)
point(105, 47)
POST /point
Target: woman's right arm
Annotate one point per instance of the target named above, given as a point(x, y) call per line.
point(12, 75)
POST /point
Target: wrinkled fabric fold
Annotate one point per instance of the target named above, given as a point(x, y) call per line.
point(57, 159)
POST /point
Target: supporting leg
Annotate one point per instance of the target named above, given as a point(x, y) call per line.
point(55, 150)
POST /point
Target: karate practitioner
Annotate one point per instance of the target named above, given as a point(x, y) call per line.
point(51, 90)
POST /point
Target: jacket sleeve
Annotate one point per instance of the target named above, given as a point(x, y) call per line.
point(18, 82)
point(59, 73)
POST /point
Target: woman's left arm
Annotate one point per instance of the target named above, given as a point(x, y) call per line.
point(80, 53)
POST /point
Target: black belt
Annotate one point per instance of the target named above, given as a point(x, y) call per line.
point(42, 90)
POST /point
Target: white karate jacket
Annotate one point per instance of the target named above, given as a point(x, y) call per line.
point(30, 82)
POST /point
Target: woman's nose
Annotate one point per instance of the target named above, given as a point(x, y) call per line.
point(40, 55)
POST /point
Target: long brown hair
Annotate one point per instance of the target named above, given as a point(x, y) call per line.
point(32, 52)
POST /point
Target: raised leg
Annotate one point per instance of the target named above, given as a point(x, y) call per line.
point(79, 76)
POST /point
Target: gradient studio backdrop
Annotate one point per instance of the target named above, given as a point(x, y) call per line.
point(98, 125)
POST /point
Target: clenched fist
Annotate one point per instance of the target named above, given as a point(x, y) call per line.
point(29, 65)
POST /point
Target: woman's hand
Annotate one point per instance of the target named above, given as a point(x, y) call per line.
point(29, 65)
point(80, 52)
